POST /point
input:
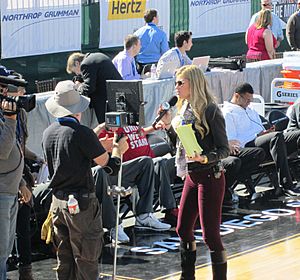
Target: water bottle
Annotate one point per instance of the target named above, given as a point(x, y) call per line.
point(73, 205)
point(153, 71)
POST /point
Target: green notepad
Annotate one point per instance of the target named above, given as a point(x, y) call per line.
point(188, 139)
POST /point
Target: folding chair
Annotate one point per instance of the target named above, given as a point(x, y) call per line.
point(46, 85)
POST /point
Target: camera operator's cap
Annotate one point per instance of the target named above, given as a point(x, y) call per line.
point(66, 100)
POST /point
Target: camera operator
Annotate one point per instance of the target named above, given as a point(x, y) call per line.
point(70, 148)
point(23, 229)
point(11, 167)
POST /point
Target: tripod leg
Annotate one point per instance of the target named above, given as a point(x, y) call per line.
point(117, 222)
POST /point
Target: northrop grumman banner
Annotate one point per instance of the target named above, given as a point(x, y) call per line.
point(218, 17)
point(39, 27)
point(119, 18)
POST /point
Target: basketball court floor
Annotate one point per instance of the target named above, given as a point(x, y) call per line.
point(262, 242)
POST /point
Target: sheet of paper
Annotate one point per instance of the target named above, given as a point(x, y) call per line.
point(188, 139)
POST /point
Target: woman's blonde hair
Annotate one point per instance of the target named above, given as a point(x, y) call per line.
point(264, 19)
point(200, 95)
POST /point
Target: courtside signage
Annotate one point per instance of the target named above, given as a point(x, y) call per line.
point(118, 18)
point(37, 27)
point(218, 17)
point(122, 9)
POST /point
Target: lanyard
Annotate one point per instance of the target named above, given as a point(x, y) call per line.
point(180, 57)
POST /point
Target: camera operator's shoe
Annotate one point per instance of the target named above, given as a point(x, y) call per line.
point(122, 236)
point(277, 192)
point(150, 222)
point(293, 190)
point(25, 272)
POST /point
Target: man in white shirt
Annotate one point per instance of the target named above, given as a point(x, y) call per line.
point(244, 128)
point(276, 25)
point(124, 60)
point(175, 57)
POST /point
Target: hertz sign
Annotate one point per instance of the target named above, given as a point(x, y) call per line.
point(126, 9)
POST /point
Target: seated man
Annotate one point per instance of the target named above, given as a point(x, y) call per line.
point(175, 57)
point(240, 163)
point(244, 126)
point(294, 116)
point(139, 168)
point(124, 60)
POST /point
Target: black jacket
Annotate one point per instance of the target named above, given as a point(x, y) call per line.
point(96, 68)
point(294, 122)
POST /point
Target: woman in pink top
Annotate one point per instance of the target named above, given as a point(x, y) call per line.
point(259, 38)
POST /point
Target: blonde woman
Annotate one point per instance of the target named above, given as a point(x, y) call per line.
point(260, 39)
point(204, 185)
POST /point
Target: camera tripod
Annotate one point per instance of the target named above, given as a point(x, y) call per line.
point(119, 192)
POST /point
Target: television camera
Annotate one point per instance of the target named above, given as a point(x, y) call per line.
point(125, 103)
point(27, 102)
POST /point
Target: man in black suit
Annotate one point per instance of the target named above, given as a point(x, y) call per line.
point(95, 69)
point(294, 116)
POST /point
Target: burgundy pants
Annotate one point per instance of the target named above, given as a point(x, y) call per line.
point(202, 196)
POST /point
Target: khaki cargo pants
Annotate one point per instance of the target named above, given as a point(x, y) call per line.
point(78, 240)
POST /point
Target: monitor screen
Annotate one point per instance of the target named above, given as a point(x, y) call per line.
point(126, 96)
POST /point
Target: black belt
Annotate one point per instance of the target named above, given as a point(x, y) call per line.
point(63, 195)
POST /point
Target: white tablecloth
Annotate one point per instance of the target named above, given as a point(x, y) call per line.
point(259, 74)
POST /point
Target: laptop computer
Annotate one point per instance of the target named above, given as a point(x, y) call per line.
point(202, 62)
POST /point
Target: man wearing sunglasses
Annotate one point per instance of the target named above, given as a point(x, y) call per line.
point(276, 25)
point(244, 127)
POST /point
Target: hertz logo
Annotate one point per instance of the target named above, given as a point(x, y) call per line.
point(125, 9)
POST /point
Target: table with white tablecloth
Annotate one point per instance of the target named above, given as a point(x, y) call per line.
point(259, 74)
point(221, 81)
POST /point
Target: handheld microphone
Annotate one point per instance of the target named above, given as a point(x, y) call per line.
point(165, 108)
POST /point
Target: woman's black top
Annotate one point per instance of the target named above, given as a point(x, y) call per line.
point(215, 143)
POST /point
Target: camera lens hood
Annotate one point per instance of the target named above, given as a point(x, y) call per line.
point(16, 82)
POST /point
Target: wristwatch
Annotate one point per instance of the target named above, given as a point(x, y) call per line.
point(205, 160)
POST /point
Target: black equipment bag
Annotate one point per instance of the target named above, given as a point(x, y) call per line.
point(228, 63)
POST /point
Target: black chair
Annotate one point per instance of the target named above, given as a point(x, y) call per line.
point(278, 119)
point(265, 122)
point(146, 68)
point(46, 85)
point(159, 145)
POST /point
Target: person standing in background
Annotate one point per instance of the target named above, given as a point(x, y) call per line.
point(260, 40)
point(154, 42)
point(293, 29)
point(95, 69)
point(275, 25)
point(124, 60)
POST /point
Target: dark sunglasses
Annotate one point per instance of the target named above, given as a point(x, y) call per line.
point(179, 83)
point(265, 5)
